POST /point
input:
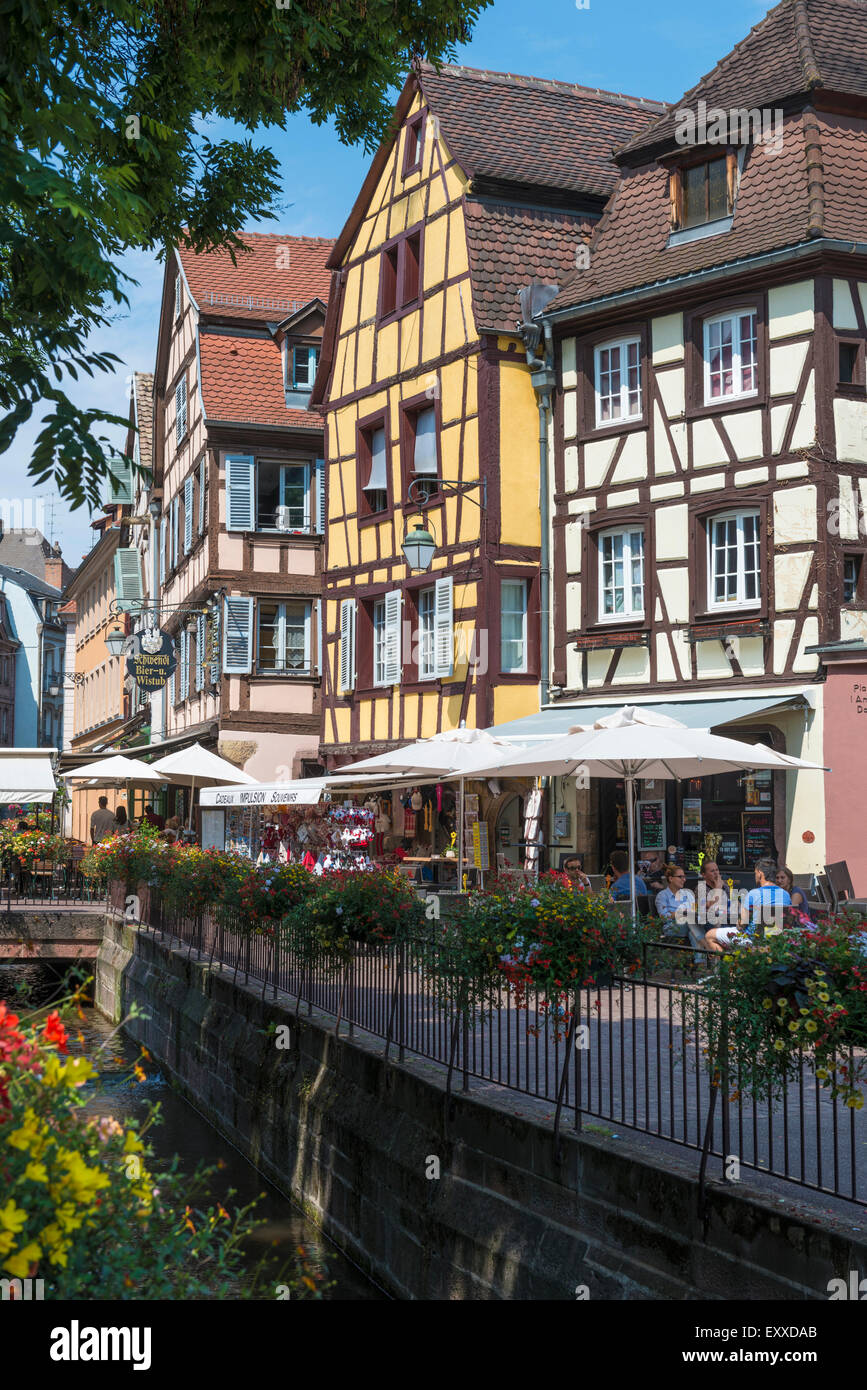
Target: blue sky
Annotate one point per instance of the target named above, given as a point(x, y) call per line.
point(651, 50)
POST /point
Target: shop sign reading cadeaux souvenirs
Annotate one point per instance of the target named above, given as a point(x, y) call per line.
point(152, 659)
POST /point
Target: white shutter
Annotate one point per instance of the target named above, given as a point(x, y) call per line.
point(444, 644)
point(127, 579)
point(200, 651)
point(188, 515)
point(240, 492)
point(181, 409)
point(202, 484)
point(237, 636)
point(178, 295)
point(163, 551)
point(185, 664)
point(318, 616)
point(347, 644)
point(307, 508)
point(320, 496)
point(175, 516)
point(392, 663)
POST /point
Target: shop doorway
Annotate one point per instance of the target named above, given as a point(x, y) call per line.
point(510, 830)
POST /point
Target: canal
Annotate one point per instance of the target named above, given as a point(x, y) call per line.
point(183, 1131)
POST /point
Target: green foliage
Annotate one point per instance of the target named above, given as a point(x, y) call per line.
point(800, 995)
point(347, 909)
point(102, 110)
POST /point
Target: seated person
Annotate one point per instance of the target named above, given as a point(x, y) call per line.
point(800, 907)
point(762, 905)
point(715, 893)
point(620, 888)
point(573, 868)
point(675, 903)
point(654, 873)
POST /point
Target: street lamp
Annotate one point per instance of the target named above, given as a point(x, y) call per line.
point(418, 548)
point(115, 639)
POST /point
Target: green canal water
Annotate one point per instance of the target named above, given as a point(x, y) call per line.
point(183, 1131)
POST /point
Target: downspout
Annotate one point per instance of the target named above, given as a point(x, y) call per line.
point(544, 398)
point(538, 343)
point(158, 697)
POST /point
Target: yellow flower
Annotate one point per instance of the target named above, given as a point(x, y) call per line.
point(29, 1135)
point(794, 1026)
point(821, 1074)
point(36, 1172)
point(767, 1003)
point(779, 1044)
point(19, 1265)
point(811, 1026)
point(782, 1003)
point(7, 1241)
point(12, 1218)
point(85, 1182)
point(804, 1013)
point(855, 1102)
point(820, 974)
point(825, 997)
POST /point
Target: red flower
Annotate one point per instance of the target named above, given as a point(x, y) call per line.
point(54, 1031)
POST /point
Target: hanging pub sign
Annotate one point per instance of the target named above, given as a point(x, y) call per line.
point(152, 659)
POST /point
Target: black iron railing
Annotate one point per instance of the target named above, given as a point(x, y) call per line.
point(632, 1056)
point(49, 881)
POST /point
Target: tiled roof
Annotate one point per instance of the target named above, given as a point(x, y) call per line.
point(798, 46)
point(629, 246)
point(144, 414)
point(526, 130)
point(29, 582)
point(509, 247)
point(28, 550)
point(843, 145)
point(261, 285)
point(242, 381)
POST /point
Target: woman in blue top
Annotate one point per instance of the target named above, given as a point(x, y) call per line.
point(800, 906)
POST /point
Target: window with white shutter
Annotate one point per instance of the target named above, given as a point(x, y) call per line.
point(128, 590)
point(237, 636)
point(240, 492)
point(214, 644)
point(180, 410)
point(188, 515)
point(163, 530)
point(174, 553)
point(347, 644)
point(391, 653)
point(317, 618)
point(201, 629)
point(444, 644)
point(202, 495)
point(178, 299)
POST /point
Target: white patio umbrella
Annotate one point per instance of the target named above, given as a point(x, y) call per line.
point(454, 753)
point(633, 743)
point(197, 766)
point(116, 771)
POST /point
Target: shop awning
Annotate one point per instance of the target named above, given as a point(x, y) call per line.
point(26, 775)
point(307, 791)
point(558, 719)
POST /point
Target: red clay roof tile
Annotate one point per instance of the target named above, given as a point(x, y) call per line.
point(242, 381)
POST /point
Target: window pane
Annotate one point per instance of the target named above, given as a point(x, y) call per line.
point(694, 183)
point(379, 642)
point(622, 573)
point(294, 494)
point(269, 655)
point(513, 600)
point(747, 334)
point(426, 633)
point(425, 446)
point(717, 190)
point(268, 490)
point(609, 384)
point(295, 629)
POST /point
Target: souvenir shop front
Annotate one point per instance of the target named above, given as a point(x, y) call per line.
point(319, 824)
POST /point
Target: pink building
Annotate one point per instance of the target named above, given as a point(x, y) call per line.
point(238, 475)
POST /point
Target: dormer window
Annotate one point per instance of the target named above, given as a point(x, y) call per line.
point(305, 360)
point(702, 196)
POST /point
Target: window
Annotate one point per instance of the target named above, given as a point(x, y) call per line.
point(283, 497)
point(180, 410)
point(704, 193)
point(426, 635)
point(849, 370)
point(400, 275)
point(618, 381)
point(851, 577)
point(513, 625)
point(284, 636)
point(374, 469)
point(413, 146)
point(730, 356)
point(379, 640)
point(305, 360)
point(621, 574)
point(177, 296)
point(733, 560)
point(422, 453)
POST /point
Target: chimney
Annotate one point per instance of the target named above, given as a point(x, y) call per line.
point(54, 568)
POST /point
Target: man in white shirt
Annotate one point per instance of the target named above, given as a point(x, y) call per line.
point(102, 822)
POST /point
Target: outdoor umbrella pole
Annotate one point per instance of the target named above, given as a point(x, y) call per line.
point(630, 840)
point(461, 785)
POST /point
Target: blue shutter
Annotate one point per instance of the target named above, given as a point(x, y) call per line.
point(185, 663)
point(163, 529)
point(200, 651)
point(237, 636)
point(320, 496)
point(240, 493)
point(175, 548)
point(215, 643)
point(181, 409)
point(202, 485)
point(120, 481)
point(188, 515)
point(347, 644)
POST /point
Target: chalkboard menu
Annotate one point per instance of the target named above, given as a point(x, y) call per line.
point(758, 831)
point(729, 852)
point(651, 825)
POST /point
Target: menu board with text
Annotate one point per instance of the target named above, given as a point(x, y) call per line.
point(651, 825)
point(758, 833)
point(729, 852)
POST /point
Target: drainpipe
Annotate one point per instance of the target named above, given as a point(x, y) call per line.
point(540, 359)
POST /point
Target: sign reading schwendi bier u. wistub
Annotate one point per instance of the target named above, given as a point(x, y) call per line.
point(152, 659)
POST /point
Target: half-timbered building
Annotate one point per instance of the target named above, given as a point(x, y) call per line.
point(487, 183)
point(710, 485)
point(238, 474)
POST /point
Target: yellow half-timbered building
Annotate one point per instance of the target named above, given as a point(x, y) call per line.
point(488, 183)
